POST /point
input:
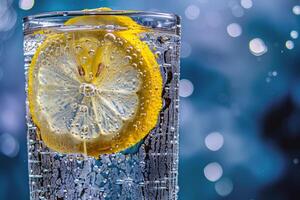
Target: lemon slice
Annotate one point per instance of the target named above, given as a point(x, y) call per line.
point(94, 92)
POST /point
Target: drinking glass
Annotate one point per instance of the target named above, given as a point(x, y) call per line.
point(145, 170)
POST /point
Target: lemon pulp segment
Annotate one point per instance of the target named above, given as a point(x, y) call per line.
point(94, 92)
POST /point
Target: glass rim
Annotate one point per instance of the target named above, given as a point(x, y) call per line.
point(74, 13)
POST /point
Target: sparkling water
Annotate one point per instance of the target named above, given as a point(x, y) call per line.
point(149, 170)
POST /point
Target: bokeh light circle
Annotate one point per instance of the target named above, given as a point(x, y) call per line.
point(186, 50)
point(234, 30)
point(26, 4)
point(247, 4)
point(213, 171)
point(9, 146)
point(186, 88)
point(214, 141)
point(296, 10)
point(257, 47)
point(224, 187)
point(237, 11)
point(192, 12)
point(289, 44)
point(294, 34)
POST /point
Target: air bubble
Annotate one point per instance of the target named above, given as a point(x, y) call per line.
point(78, 49)
point(92, 52)
point(158, 54)
point(110, 37)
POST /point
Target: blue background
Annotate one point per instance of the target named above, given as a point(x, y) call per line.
point(240, 94)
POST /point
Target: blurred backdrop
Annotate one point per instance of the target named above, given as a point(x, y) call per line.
point(240, 95)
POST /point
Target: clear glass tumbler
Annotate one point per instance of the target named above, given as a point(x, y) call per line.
point(63, 159)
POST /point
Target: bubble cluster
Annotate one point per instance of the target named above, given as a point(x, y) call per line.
point(271, 76)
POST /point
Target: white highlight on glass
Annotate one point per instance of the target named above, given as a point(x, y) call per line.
point(26, 4)
point(186, 50)
point(247, 4)
point(224, 187)
point(192, 12)
point(186, 88)
point(213, 171)
point(294, 34)
point(257, 47)
point(296, 10)
point(214, 141)
point(234, 30)
point(289, 44)
point(9, 146)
